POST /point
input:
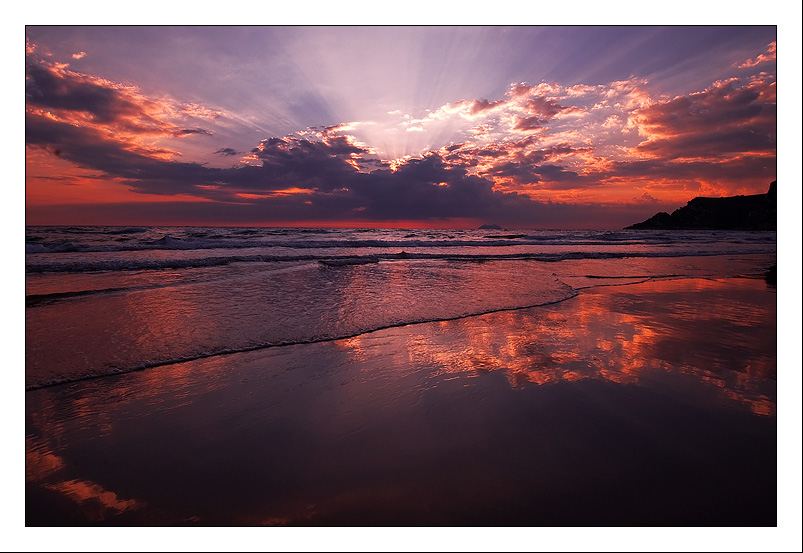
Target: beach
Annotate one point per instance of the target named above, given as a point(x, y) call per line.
point(645, 403)
point(408, 278)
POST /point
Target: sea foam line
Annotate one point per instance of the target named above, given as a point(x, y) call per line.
point(267, 345)
point(177, 263)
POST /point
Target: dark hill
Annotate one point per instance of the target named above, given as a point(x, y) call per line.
point(756, 212)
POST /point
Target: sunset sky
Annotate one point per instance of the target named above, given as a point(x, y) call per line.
point(540, 127)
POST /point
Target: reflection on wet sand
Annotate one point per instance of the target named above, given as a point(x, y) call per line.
point(87, 492)
point(622, 396)
point(43, 467)
point(84, 336)
point(598, 339)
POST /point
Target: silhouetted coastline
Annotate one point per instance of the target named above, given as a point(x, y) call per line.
point(756, 212)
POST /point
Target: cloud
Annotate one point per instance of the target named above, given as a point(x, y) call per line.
point(119, 111)
point(508, 160)
point(87, 147)
point(79, 55)
point(184, 132)
point(545, 107)
point(722, 137)
point(479, 106)
point(200, 112)
point(645, 198)
point(327, 167)
point(55, 88)
point(523, 165)
point(767, 56)
point(528, 123)
point(528, 107)
point(719, 122)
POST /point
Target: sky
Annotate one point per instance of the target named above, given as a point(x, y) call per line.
point(394, 126)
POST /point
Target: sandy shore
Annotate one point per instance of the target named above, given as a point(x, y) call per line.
point(646, 404)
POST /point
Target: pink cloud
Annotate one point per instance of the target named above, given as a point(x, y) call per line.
point(769, 55)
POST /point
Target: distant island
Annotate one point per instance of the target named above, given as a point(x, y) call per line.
point(756, 212)
point(489, 227)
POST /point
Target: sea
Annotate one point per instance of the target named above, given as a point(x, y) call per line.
point(105, 300)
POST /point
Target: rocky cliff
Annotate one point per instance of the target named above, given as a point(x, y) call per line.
point(756, 212)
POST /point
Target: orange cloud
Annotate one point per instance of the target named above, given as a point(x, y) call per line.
point(117, 113)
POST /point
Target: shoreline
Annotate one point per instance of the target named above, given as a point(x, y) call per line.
point(769, 275)
point(583, 404)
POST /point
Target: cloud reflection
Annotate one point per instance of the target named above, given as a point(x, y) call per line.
point(710, 338)
point(44, 467)
point(82, 491)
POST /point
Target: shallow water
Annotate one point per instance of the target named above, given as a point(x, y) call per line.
point(104, 300)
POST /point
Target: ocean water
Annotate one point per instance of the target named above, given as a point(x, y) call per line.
point(108, 300)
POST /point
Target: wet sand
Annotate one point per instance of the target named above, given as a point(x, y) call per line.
point(651, 404)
